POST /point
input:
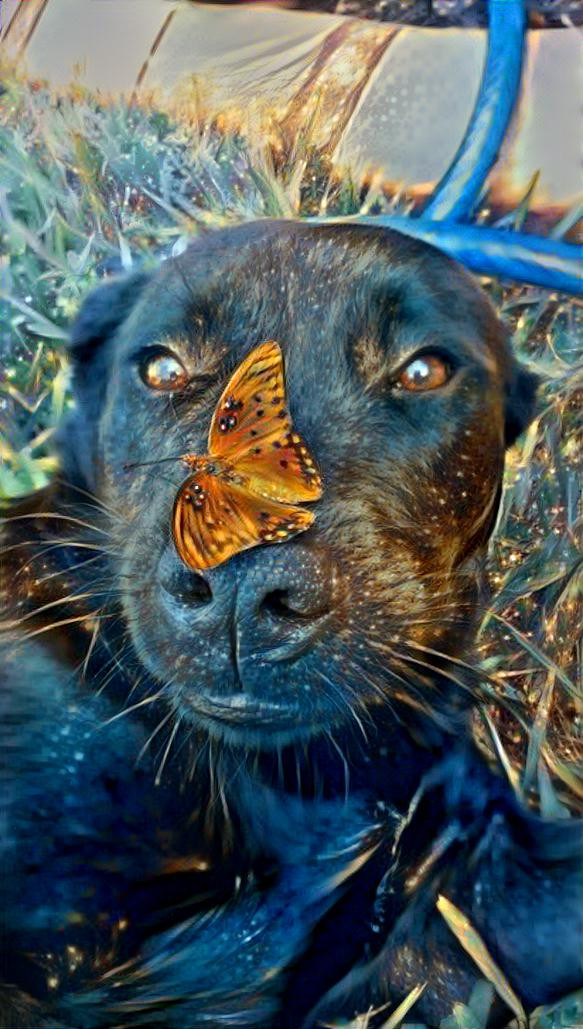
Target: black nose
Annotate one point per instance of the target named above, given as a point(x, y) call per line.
point(285, 597)
point(274, 602)
point(186, 589)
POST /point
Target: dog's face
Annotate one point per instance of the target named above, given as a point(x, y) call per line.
point(399, 381)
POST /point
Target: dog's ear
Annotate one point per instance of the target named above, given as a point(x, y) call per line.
point(521, 390)
point(100, 316)
point(101, 313)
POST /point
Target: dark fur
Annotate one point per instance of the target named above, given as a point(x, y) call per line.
point(277, 865)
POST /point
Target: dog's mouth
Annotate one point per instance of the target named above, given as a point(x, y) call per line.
point(241, 708)
point(242, 720)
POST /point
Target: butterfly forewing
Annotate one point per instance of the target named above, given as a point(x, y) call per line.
point(214, 518)
point(286, 473)
point(251, 428)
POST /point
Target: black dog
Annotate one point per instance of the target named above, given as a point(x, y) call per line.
point(234, 799)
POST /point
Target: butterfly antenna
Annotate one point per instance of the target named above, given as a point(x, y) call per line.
point(161, 460)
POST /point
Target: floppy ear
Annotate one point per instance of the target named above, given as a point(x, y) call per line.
point(520, 401)
point(99, 318)
point(102, 312)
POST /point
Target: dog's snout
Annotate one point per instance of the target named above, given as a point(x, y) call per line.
point(273, 601)
point(284, 599)
point(294, 584)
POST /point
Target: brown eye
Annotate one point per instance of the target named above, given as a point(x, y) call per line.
point(428, 371)
point(163, 371)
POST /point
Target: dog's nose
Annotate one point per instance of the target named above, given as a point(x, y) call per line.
point(273, 602)
point(285, 597)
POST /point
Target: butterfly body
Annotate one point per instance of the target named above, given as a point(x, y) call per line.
point(247, 489)
point(203, 466)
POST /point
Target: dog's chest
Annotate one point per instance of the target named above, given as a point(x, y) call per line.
point(87, 834)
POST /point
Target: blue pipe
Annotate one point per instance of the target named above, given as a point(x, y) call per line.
point(456, 194)
point(549, 263)
point(506, 255)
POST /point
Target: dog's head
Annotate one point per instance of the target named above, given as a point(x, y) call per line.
point(400, 382)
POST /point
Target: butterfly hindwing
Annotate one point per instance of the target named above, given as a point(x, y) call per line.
point(252, 429)
point(215, 518)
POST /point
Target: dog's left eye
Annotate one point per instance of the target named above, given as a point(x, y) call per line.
point(425, 372)
point(161, 369)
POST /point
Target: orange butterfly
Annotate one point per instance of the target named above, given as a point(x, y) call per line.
point(244, 491)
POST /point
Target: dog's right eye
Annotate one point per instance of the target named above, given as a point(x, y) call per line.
point(160, 369)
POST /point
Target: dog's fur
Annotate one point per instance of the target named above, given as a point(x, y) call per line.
point(235, 800)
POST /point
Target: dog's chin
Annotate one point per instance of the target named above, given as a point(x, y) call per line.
point(243, 721)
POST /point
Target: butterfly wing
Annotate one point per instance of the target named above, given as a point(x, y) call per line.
point(284, 472)
point(215, 518)
point(251, 428)
point(253, 396)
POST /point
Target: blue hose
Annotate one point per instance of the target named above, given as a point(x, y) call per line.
point(506, 255)
point(456, 194)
